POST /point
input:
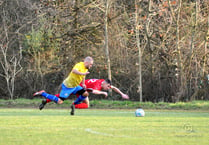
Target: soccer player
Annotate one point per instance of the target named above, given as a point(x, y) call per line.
point(71, 84)
point(95, 86)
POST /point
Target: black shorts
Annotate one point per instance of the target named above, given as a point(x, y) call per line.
point(80, 92)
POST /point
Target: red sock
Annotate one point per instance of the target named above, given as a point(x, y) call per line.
point(81, 106)
point(47, 100)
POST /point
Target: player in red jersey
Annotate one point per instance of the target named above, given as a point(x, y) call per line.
point(94, 86)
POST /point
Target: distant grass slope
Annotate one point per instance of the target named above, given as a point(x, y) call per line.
point(102, 127)
point(108, 104)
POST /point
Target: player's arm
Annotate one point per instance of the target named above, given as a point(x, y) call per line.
point(97, 92)
point(83, 83)
point(124, 96)
point(79, 73)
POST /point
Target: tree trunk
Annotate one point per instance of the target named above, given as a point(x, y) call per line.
point(139, 52)
point(106, 40)
point(194, 24)
point(179, 59)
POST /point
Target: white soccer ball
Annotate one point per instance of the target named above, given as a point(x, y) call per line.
point(139, 113)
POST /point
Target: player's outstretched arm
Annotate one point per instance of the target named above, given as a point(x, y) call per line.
point(124, 96)
point(100, 93)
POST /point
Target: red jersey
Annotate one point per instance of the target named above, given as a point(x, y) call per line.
point(94, 84)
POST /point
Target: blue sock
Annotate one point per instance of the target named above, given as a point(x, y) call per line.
point(79, 99)
point(50, 97)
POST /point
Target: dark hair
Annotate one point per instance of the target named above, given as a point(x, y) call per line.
point(108, 81)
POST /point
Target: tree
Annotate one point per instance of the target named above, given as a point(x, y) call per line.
point(169, 36)
point(106, 39)
point(139, 49)
point(10, 61)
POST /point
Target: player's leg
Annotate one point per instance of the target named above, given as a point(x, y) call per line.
point(83, 105)
point(86, 101)
point(48, 96)
point(82, 96)
point(57, 95)
point(52, 98)
point(44, 102)
point(64, 94)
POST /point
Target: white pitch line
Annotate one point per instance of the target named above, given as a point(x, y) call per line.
point(105, 134)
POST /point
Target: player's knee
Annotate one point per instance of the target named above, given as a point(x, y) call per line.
point(59, 101)
point(85, 94)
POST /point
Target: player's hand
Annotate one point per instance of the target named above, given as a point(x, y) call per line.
point(124, 96)
point(84, 86)
point(106, 94)
point(86, 73)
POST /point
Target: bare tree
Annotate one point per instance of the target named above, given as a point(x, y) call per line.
point(206, 50)
point(106, 39)
point(171, 43)
point(10, 61)
point(191, 55)
point(179, 53)
point(139, 50)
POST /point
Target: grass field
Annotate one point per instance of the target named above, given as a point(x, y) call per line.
point(103, 127)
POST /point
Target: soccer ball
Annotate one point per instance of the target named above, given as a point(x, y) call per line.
point(139, 113)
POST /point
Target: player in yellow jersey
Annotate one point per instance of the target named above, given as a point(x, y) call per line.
point(71, 85)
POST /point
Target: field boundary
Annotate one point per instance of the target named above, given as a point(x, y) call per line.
point(109, 104)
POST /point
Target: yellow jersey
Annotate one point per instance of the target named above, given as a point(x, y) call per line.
point(73, 79)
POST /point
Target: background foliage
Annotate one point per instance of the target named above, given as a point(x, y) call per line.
point(41, 40)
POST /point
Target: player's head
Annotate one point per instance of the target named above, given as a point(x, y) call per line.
point(88, 62)
point(106, 84)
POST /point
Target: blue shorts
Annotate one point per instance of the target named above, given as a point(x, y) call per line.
point(65, 92)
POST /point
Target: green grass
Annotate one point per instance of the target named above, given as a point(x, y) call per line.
point(103, 127)
point(110, 104)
